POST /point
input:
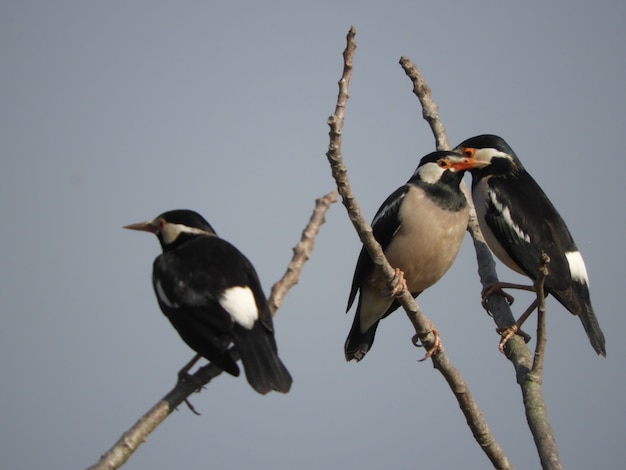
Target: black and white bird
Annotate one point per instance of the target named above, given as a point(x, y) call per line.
point(519, 222)
point(211, 294)
point(420, 227)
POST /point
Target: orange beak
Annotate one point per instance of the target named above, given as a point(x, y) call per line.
point(469, 163)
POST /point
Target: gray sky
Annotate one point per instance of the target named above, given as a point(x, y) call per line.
point(113, 112)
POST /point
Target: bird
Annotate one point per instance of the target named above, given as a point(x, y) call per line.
point(211, 294)
point(519, 223)
point(420, 228)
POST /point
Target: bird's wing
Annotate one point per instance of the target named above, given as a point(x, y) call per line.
point(525, 217)
point(385, 224)
point(202, 271)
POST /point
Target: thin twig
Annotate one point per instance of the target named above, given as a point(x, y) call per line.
point(423, 325)
point(540, 348)
point(121, 451)
point(536, 413)
point(430, 110)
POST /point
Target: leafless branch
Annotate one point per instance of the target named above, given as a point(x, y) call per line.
point(430, 110)
point(423, 326)
point(516, 349)
point(138, 433)
point(536, 413)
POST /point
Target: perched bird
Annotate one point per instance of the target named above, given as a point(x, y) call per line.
point(420, 227)
point(211, 294)
point(519, 222)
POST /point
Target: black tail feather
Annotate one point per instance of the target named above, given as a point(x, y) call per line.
point(576, 300)
point(264, 369)
point(592, 327)
point(358, 344)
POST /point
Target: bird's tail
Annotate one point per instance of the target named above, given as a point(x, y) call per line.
point(592, 327)
point(264, 369)
point(358, 344)
point(576, 300)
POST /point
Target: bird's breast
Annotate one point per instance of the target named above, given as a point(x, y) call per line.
point(427, 241)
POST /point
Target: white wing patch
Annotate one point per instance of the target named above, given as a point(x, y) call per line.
point(577, 267)
point(506, 215)
point(240, 304)
point(162, 296)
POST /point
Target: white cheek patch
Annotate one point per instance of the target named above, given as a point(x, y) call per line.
point(430, 173)
point(486, 155)
point(162, 296)
point(170, 232)
point(240, 304)
point(577, 267)
point(506, 215)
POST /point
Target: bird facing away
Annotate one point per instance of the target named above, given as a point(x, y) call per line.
point(211, 294)
point(420, 227)
point(519, 222)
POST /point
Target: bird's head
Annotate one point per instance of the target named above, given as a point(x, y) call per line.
point(443, 167)
point(491, 154)
point(174, 228)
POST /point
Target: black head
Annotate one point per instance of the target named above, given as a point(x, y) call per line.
point(439, 174)
point(442, 167)
point(173, 228)
point(492, 154)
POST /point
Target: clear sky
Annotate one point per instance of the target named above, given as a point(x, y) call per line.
point(113, 112)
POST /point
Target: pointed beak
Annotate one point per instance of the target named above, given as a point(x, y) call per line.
point(469, 163)
point(148, 226)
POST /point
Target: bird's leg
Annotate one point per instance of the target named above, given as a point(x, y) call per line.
point(508, 332)
point(498, 289)
point(437, 345)
point(185, 376)
point(399, 284)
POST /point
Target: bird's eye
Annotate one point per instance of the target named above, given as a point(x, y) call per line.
point(469, 152)
point(443, 163)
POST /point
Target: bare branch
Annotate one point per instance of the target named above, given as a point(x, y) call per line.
point(536, 413)
point(138, 433)
point(430, 110)
point(540, 348)
point(516, 350)
point(423, 326)
point(301, 252)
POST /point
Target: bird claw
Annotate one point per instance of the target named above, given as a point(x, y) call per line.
point(191, 407)
point(399, 284)
point(436, 348)
point(494, 288)
point(508, 333)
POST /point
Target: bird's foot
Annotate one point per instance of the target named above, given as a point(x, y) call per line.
point(507, 334)
point(191, 407)
point(436, 348)
point(496, 288)
point(399, 284)
point(185, 377)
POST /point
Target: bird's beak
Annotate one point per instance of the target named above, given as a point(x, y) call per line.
point(469, 163)
point(148, 226)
